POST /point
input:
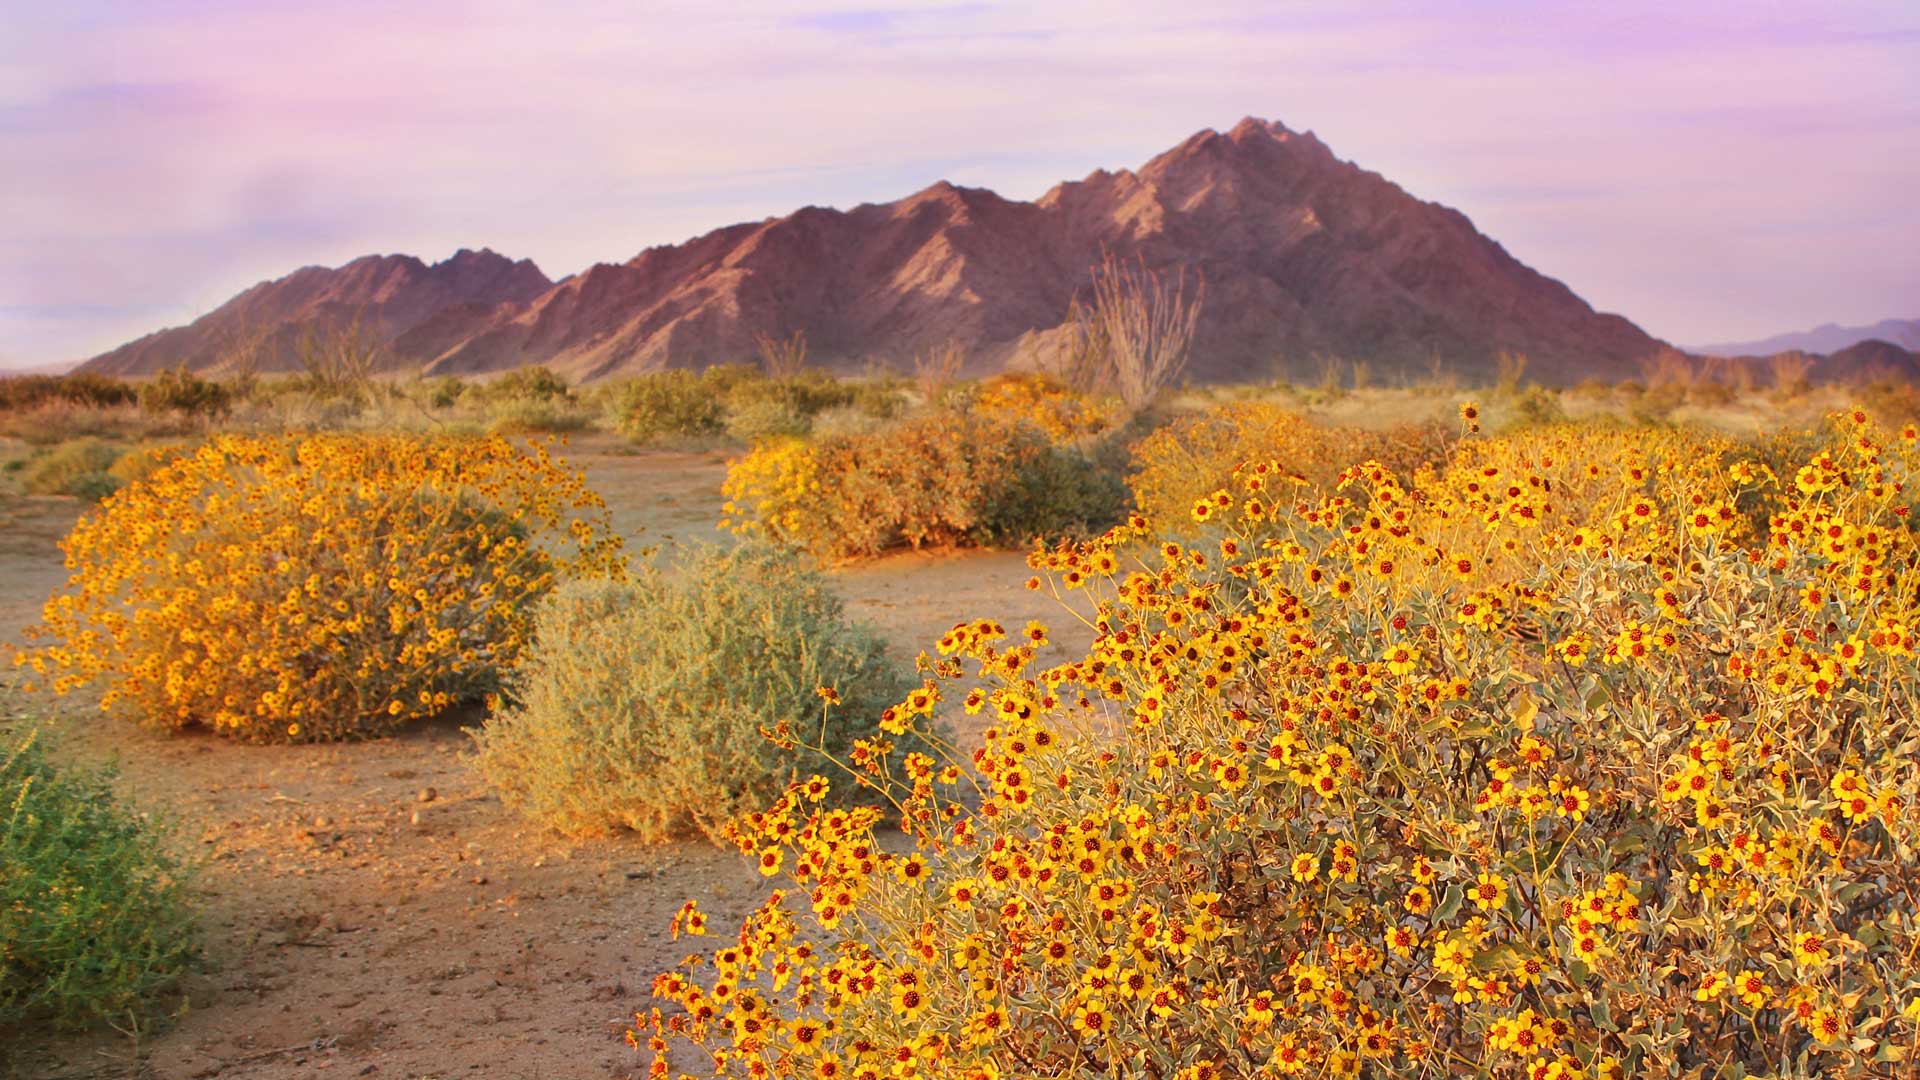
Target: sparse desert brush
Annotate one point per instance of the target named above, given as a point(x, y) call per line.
point(762, 419)
point(1432, 776)
point(1194, 455)
point(181, 392)
point(667, 404)
point(932, 479)
point(647, 704)
point(531, 415)
point(21, 392)
point(302, 588)
point(95, 921)
point(81, 468)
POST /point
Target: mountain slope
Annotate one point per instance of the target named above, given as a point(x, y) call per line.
point(422, 309)
point(1307, 260)
point(1824, 339)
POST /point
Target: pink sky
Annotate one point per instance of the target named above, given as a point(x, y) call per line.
point(1711, 170)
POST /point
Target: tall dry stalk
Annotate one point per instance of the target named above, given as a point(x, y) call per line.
point(937, 368)
point(340, 359)
point(240, 349)
point(1141, 323)
point(1510, 369)
point(782, 358)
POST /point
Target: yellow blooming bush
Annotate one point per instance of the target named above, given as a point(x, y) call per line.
point(1581, 755)
point(315, 587)
point(1192, 456)
point(1037, 400)
point(935, 479)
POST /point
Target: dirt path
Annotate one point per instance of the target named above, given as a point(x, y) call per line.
point(371, 910)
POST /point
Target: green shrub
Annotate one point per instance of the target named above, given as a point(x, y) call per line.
point(642, 704)
point(767, 418)
point(666, 404)
point(1062, 490)
point(94, 918)
point(879, 398)
point(177, 390)
point(524, 384)
point(530, 415)
point(79, 468)
point(445, 392)
point(807, 393)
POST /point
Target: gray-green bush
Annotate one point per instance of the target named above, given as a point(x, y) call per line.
point(79, 467)
point(645, 704)
point(94, 914)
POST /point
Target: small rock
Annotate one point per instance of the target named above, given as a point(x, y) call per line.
point(416, 817)
point(322, 822)
point(427, 794)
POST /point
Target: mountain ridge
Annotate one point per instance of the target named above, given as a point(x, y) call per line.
point(1307, 260)
point(1825, 339)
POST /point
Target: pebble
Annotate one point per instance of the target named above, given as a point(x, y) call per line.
point(427, 794)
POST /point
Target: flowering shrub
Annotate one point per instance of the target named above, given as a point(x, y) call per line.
point(934, 479)
point(1178, 463)
point(303, 588)
point(1042, 402)
point(645, 704)
point(1554, 761)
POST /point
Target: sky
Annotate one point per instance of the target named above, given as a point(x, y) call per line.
point(1713, 170)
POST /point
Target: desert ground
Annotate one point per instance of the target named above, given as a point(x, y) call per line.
point(370, 909)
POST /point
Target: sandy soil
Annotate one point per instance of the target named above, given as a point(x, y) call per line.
point(371, 910)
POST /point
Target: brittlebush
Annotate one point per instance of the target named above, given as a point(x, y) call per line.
point(1190, 457)
point(1584, 755)
point(301, 588)
point(932, 480)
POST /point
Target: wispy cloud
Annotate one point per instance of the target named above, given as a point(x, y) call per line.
point(1714, 170)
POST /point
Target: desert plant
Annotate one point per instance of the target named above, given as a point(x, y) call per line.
point(1510, 370)
point(529, 415)
point(1145, 324)
point(781, 357)
point(81, 468)
point(767, 418)
point(529, 383)
point(95, 921)
point(1455, 774)
point(935, 369)
point(339, 357)
point(141, 461)
point(1041, 401)
point(924, 480)
point(673, 701)
point(21, 392)
point(305, 588)
point(667, 404)
point(1178, 463)
point(178, 390)
point(1789, 371)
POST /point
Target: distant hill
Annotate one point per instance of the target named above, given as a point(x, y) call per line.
point(1823, 340)
point(1306, 257)
point(1867, 361)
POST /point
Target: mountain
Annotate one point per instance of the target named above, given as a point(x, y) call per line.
point(1306, 259)
point(420, 309)
point(1824, 340)
point(1866, 361)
